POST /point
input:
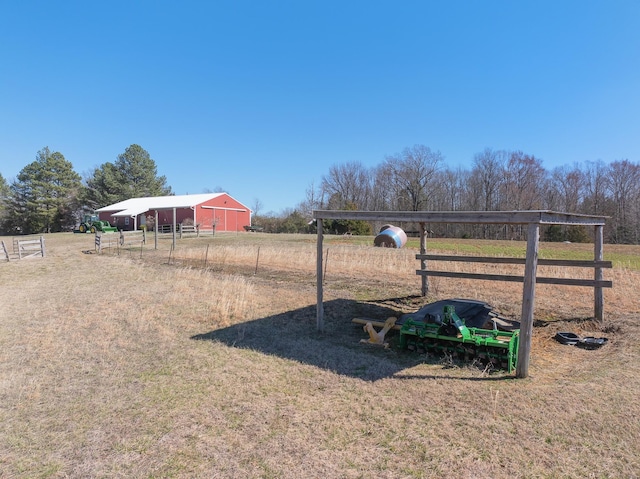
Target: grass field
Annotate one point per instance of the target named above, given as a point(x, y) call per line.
point(205, 362)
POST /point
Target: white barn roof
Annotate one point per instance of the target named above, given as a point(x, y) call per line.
point(136, 206)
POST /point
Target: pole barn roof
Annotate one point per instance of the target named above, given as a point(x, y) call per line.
point(136, 206)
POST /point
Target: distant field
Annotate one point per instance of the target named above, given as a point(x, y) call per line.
point(624, 256)
point(205, 362)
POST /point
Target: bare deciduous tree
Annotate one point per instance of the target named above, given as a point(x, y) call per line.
point(566, 189)
point(489, 174)
point(411, 173)
point(595, 184)
point(314, 200)
point(524, 182)
point(623, 179)
point(348, 183)
point(256, 207)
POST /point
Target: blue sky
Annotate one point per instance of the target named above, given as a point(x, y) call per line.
point(260, 98)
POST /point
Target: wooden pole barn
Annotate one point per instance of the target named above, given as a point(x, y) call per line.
point(534, 219)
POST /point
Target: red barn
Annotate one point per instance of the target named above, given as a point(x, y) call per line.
point(207, 210)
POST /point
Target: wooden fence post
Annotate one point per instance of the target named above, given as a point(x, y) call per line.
point(326, 262)
point(155, 231)
point(319, 279)
point(257, 258)
point(528, 296)
point(423, 262)
point(6, 253)
point(598, 293)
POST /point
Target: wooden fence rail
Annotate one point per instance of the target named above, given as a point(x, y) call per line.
point(4, 249)
point(31, 248)
point(594, 283)
point(184, 229)
point(128, 237)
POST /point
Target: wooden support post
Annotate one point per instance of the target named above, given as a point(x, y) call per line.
point(528, 301)
point(598, 292)
point(155, 231)
point(6, 253)
point(319, 280)
point(42, 249)
point(423, 262)
point(174, 228)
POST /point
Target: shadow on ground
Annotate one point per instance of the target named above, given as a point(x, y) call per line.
point(293, 335)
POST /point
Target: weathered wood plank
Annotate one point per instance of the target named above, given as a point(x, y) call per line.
point(423, 263)
point(127, 237)
point(502, 260)
point(517, 279)
point(184, 229)
point(6, 253)
point(476, 217)
point(31, 248)
point(319, 280)
point(528, 299)
point(598, 294)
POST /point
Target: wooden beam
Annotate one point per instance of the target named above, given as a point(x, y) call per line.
point(501, 260)
point(528, 301)
point(319, 280)
point(423, 262)
point(174, 229)
point(155, 231)
point(518, 279)
point(474, 217)
point(598, 294)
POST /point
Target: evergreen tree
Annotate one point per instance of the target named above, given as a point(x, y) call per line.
point(4, 194)
point(356, 227)
point(133, 175)
point(554, 233)
point(43, 198)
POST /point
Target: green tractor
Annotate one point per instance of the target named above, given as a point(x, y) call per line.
point(93, 224)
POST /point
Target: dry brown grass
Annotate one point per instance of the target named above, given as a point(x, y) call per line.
point(113, 366)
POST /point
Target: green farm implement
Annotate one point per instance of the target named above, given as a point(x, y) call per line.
point(448, 335)
point(92, 224)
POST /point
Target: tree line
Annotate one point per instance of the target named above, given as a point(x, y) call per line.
point(418, 179)
point(48, 196)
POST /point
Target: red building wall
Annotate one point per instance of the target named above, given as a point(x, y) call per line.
point(225, 212)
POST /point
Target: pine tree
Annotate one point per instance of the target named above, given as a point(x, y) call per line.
point(133, 175)
point(4, 195)
point(43, 197)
